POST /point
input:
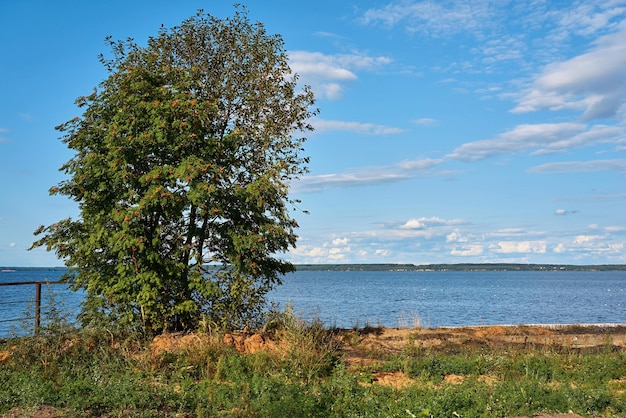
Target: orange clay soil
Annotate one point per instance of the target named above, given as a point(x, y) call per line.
point(361, 344)
point(370, 346)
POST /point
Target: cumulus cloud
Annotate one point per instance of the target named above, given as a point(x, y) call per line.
point(340, 241)
point(468, 251)
point(323, 253)
point(322, 125)
point(543, 138)
point(423, 222)
point(582, 239)
point(592, 83)
point(328, 73)
point(456, 236)
point(537, 247)
point(593, 245)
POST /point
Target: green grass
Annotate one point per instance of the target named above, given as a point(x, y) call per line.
point(95, 373)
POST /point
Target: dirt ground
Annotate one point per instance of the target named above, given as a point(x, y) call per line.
point(365, 346)
point(458, 339)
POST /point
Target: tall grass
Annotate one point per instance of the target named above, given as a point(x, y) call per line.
point(300, 372)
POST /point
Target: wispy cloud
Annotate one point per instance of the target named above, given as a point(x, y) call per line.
point(322, 125)
point(563, 212)
point(581, 166)
point(327, 74)
point(364, 177)
point(316, 183)
point(2, 132)
point(540, 138)
point(425, 121)
point(587, 18)
point(434, 18)
point(592, 83)
point(524, 32)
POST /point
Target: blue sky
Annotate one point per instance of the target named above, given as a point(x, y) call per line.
point(449, 132)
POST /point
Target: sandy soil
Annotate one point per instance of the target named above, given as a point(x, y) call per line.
point(458, 339)
point(370, 345)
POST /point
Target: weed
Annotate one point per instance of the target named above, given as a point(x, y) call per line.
point(97, 372)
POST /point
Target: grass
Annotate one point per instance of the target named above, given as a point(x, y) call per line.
point(299, 371)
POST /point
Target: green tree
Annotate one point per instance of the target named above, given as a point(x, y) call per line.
point(183, 158)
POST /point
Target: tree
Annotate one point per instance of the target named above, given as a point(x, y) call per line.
point(182, 164)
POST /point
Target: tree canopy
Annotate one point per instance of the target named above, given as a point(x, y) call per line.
point(183, 158)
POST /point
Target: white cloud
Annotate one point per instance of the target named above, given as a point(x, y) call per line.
point(456, 236)
point(588, 18)
point(2, 131)
point(340, 241)
point(332, 91)
point(592, 245)
point(318, 65)
point(582, 239)
point(363, 177)
point(316, 183)
point(323, 253)
point(12, 244)
point(425, 121)
point(322, 125)
point(581, 166)
point(592, 83)
point(468, 251)
point(528, 33)
point(326, 73)
point(562, 212)
point(419, 165)
point(315, 252)
point(422, 223)
point(384, 253)
point(616, 228)
point(336, 253)
point(543, 138)
point(537, 247)
point(434, 18)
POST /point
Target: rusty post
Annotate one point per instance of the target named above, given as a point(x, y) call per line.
point(37, 306)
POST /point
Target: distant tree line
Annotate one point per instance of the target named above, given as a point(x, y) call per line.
point(459, 267)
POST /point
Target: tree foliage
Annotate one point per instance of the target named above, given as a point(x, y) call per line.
point(183, 158)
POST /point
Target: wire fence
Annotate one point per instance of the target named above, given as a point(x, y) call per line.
point(37, 311)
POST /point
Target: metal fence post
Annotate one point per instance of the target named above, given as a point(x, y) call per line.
point(37, 306)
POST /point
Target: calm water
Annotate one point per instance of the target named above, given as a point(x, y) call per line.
point(403, 299)
point(17, 303)
point(436, 299)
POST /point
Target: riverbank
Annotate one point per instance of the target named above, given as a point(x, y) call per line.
point(304, 369)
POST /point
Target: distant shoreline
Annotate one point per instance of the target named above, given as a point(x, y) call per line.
point(459, 267)
point(412, 267)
